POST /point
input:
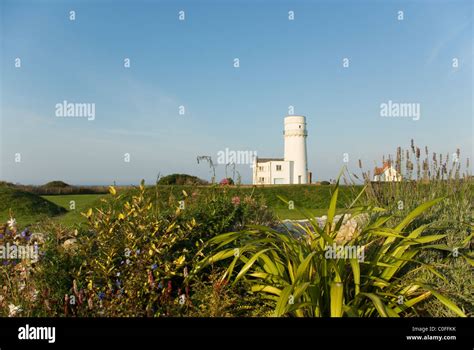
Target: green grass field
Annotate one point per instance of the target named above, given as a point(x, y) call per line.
point(303, 196)
point(82, 203)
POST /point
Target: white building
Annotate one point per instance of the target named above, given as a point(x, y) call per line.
point(293, 168)
point(386, 173)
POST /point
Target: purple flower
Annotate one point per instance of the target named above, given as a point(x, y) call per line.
point(101, 295)
point(154, 266)
point(1, 236)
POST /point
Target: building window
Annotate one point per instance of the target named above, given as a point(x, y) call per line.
point(261, 179)
point(260, 168)
point(278, 167)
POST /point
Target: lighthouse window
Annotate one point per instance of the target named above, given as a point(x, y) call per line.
point(300, 126)
point(278, 167)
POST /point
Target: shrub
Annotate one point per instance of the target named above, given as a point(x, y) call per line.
point(297, 274)
point(142, 251)
point(181, 179)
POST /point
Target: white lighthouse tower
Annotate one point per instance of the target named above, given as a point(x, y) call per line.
point(295, 148)
point(293, 168)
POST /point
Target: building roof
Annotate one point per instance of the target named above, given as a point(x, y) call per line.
point(264, 160)
point(379, 171)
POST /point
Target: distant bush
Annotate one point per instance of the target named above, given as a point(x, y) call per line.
point(181, 179)
point(56, 184)
point(325, 183)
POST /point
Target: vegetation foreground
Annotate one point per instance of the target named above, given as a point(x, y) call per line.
point(380, 250)
point(223, 255)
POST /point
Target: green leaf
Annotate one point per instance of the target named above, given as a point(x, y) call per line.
point(249, 264)
point(413, 301)
point(265, 289)
point(303, 267)
point(445, 301)
point(283, 301)
point(356, 272)
point(224, 254)
point(332, 206)
point(379, 305)
point(416, 212)
point(269, 265)
point(336, 292)
point(468, 259)
point(424, 239)
point(358, 196)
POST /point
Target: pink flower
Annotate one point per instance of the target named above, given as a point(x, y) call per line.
point(227, 181)
point(235, 200)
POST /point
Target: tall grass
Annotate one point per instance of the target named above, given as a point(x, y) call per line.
point(426, 176)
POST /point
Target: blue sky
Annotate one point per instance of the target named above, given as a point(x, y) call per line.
point(190, 63)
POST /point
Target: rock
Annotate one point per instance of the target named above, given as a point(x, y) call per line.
point(38, 237)
point(70, 244)
point(350, 228)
